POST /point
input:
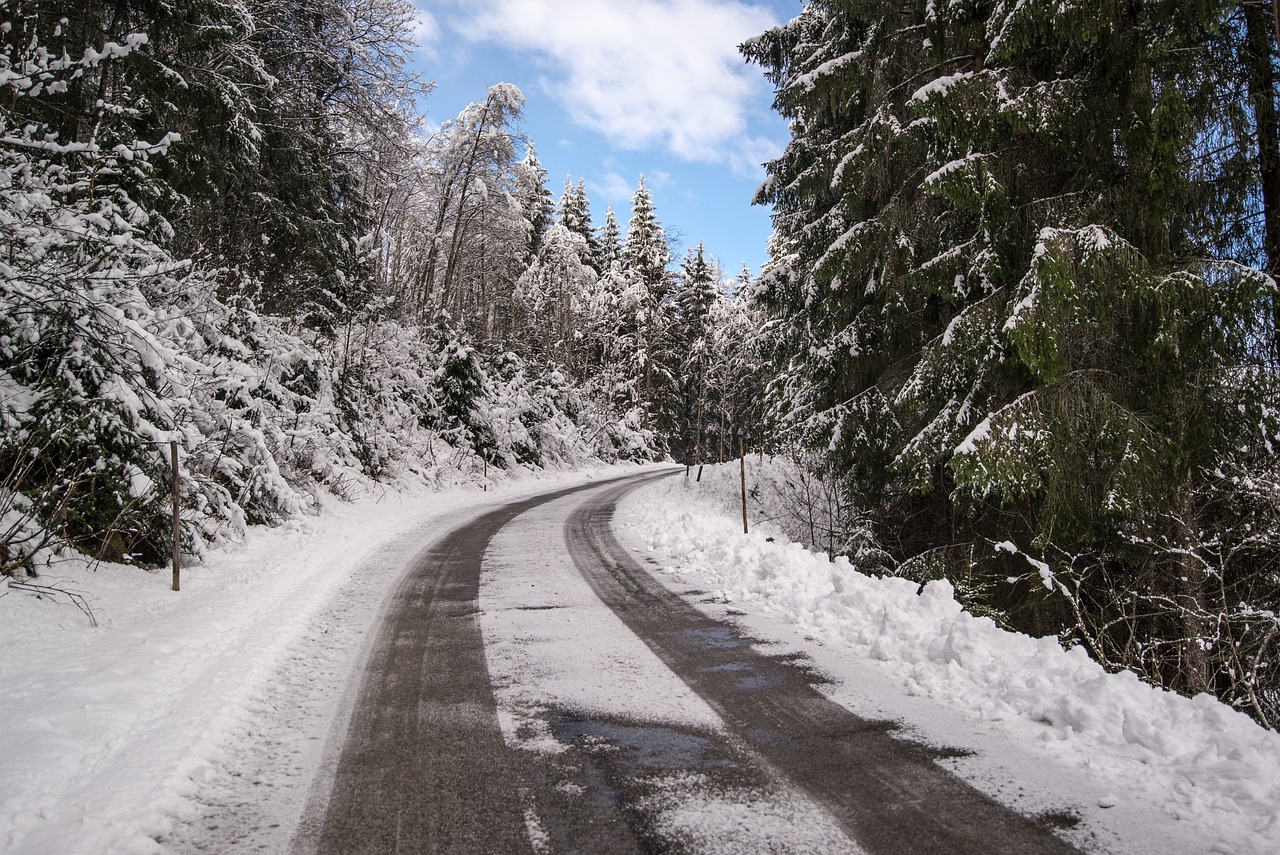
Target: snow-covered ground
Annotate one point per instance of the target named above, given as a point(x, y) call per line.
point(1145, 770)
point(116, 736)
point(179, 710)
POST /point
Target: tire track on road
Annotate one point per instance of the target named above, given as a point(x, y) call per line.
point(888, 794)
point(424, 767)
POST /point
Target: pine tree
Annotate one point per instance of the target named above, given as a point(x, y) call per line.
point(696, 292)
point(738, 331)
point(535, 201)
point(575, 215)
point(645, 260)
point(88, 381)
point(558, 291)
point(610, 240)
point(1034, 167)
point(645, 252)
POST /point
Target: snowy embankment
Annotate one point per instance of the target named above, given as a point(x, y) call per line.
point(117, 735)
point(1209, 774)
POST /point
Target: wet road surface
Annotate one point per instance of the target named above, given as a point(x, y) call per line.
point(425, 767)
point(888, 794)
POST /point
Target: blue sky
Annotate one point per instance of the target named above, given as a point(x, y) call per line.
point(616, 88)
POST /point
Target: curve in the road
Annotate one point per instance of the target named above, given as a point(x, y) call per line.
point(424, 767)
point(889, 795)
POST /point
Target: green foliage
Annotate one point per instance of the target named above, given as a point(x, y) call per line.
point(997, 302)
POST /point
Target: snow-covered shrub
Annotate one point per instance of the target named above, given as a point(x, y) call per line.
point(793, 496)
point(259, 429)
point(611, 420)
point(387, 400)
point(84, 378)
point(111, 348)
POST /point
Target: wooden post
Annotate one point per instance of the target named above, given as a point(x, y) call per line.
point(486, 473)
point(177, 529)
point(742, 466)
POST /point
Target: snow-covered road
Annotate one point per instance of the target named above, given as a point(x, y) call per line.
point(669, 717)
point(207, 722)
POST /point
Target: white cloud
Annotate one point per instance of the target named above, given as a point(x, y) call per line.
point(753, 151)
point(642, 72)
point(614, 188)
point(425, 29)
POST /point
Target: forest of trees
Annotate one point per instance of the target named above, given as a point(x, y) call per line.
point(1019, 311)
point(1020, 300)
point(225, 222)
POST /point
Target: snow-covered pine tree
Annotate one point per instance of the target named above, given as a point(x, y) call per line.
point(696, 290)
point(738, 329)
point(620, 298)
point(82, 377)
point(535, 201)
point(645, 257)
point(575, 215)
point(111, 345)
point(558, 291)
point(1034, 164)
point(610, 241)
point(283, 108)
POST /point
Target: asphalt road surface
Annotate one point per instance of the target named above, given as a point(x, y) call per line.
point(425, 767)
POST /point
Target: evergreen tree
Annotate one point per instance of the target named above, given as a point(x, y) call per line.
point(535, 201)
point(575, 215)
point(558, 291)
point(697, 289)
point(645, 252)
point(84, 375)
point(645, 260)
point(610, 242)
point(275, 102)
point(737, 331)
point(1034, 167)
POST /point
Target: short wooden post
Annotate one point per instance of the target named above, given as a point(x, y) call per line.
point(486, 473)
point(177, 529)
point(742, 466)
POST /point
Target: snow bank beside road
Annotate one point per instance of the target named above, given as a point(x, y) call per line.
point(1201, 761)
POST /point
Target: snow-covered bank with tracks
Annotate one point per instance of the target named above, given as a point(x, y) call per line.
point(1210, 771)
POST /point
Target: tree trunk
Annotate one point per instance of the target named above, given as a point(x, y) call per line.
point(720, 457)
point(1260, 39)
point(697, 434)
point(1191, 584)
point(460, 181)
point(1275, 14)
